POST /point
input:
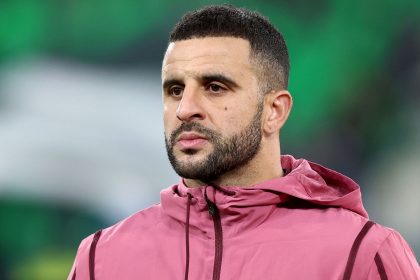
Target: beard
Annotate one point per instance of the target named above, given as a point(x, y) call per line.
point(229, 153)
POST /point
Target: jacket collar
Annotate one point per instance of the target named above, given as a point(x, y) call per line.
point(248, 207)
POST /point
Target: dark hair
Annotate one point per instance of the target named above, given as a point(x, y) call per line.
point(268, 48)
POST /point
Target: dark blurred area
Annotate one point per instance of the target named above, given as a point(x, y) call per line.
point(81, 133)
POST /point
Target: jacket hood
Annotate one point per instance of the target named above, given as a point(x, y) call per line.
point(317, 184)
point(304, 180)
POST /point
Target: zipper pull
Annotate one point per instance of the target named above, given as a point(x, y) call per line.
point(212, 208)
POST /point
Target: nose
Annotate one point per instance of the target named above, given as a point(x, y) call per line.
point(190, 107)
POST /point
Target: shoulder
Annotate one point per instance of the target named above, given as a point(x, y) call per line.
point(343, 223)
point(141, 221)
point(383, 253)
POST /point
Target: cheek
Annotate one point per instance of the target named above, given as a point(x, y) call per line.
point(168, 127)
point(168, 110)
point(170, 121)
point(167, 122)
point(237, 120)
point(231, 122)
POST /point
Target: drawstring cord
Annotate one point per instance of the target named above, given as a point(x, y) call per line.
point(187, 237)
point(218, 231)
point(214, 212)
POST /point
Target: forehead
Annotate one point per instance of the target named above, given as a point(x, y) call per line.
point(220, 54)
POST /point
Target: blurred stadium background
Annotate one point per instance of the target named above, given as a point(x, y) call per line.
point(81, 141)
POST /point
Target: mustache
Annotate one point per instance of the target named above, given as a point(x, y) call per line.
point(193, 126)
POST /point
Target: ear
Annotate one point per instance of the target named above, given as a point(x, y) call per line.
point(278, 105)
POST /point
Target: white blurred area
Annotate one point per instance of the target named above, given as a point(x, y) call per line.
point(393, 197)
point(74, 134)
point(396, 202)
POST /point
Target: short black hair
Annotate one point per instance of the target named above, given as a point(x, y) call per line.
point(268, 48)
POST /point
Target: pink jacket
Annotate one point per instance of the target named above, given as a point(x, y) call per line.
point(309, 224)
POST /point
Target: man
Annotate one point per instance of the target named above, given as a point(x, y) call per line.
point(240, 211)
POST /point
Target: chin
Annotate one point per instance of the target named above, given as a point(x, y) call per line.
point(190, 158)
point(193, 158)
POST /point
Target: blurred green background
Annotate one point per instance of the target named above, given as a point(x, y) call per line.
point(81, 141)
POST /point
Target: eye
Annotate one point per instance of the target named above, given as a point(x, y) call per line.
point(176, 91)
point(215, 88)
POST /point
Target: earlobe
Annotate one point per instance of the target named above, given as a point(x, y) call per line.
point(279, 105)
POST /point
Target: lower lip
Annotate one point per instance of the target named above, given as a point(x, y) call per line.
point(192, 143)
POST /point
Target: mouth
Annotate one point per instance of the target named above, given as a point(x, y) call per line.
point(191, 140)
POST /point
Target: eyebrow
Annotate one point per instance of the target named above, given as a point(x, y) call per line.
point(170, 82)
point(204, 79)
point(207, 78)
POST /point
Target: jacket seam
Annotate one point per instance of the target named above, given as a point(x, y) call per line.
point(372, 261)
point(355, 248)
point(92, 254)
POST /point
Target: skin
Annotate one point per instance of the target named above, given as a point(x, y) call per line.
point(211, 81)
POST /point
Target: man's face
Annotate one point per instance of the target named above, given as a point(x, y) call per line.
point(212, 106)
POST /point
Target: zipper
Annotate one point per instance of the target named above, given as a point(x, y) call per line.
point(218, 233)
